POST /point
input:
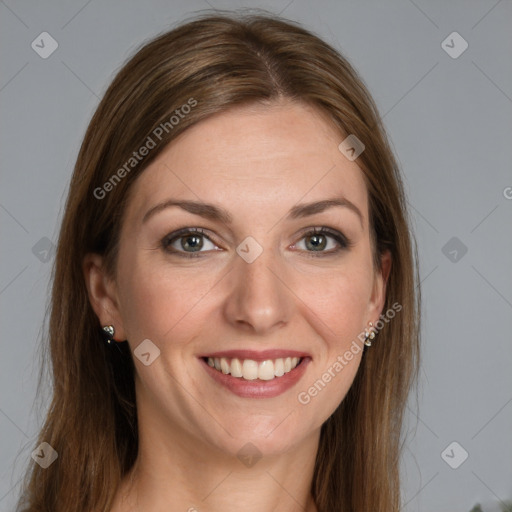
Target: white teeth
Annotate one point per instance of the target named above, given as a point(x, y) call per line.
point(252, 370)
point(236, 368)
point(279, 368)
point(266, 370)
point(224, 365)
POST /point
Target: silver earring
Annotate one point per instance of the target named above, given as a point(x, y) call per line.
point(109, 333)
point(369, 335)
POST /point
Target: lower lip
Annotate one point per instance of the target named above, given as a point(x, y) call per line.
point(258, 388)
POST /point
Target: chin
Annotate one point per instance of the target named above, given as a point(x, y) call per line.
point(268, 435)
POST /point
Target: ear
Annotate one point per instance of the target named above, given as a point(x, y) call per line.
point(102, 292)
point(378, 297)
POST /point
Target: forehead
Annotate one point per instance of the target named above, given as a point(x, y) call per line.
point(258, 156)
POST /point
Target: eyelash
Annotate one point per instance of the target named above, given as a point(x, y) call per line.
point(343, 241)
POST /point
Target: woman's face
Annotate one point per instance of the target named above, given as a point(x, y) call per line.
point(254, 288)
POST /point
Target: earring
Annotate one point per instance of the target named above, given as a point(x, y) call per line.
point(109, 331)
point(369, 335)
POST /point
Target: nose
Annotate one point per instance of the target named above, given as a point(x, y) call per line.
point(259, 300)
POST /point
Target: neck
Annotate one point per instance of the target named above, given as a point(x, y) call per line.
point(190, 476)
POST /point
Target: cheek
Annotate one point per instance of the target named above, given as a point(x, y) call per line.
point(157, 300)
point(340, 299)
point(338, 314)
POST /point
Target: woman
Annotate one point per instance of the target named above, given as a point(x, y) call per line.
point(235, 317)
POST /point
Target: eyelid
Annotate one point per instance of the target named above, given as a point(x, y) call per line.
point(340, 238)
point(181, 233)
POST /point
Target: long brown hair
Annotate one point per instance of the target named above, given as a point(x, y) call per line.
point(213, 63)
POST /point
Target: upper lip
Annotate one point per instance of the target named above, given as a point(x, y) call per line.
point(256, 355)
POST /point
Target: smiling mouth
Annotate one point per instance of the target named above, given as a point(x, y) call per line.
point(249, 369)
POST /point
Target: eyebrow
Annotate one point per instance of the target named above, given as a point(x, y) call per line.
point(216, 213)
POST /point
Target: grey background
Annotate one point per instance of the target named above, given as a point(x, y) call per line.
point(449, 121)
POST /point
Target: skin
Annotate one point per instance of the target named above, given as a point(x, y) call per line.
point(257, 162)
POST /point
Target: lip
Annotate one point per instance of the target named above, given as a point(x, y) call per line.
point(257, 388)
